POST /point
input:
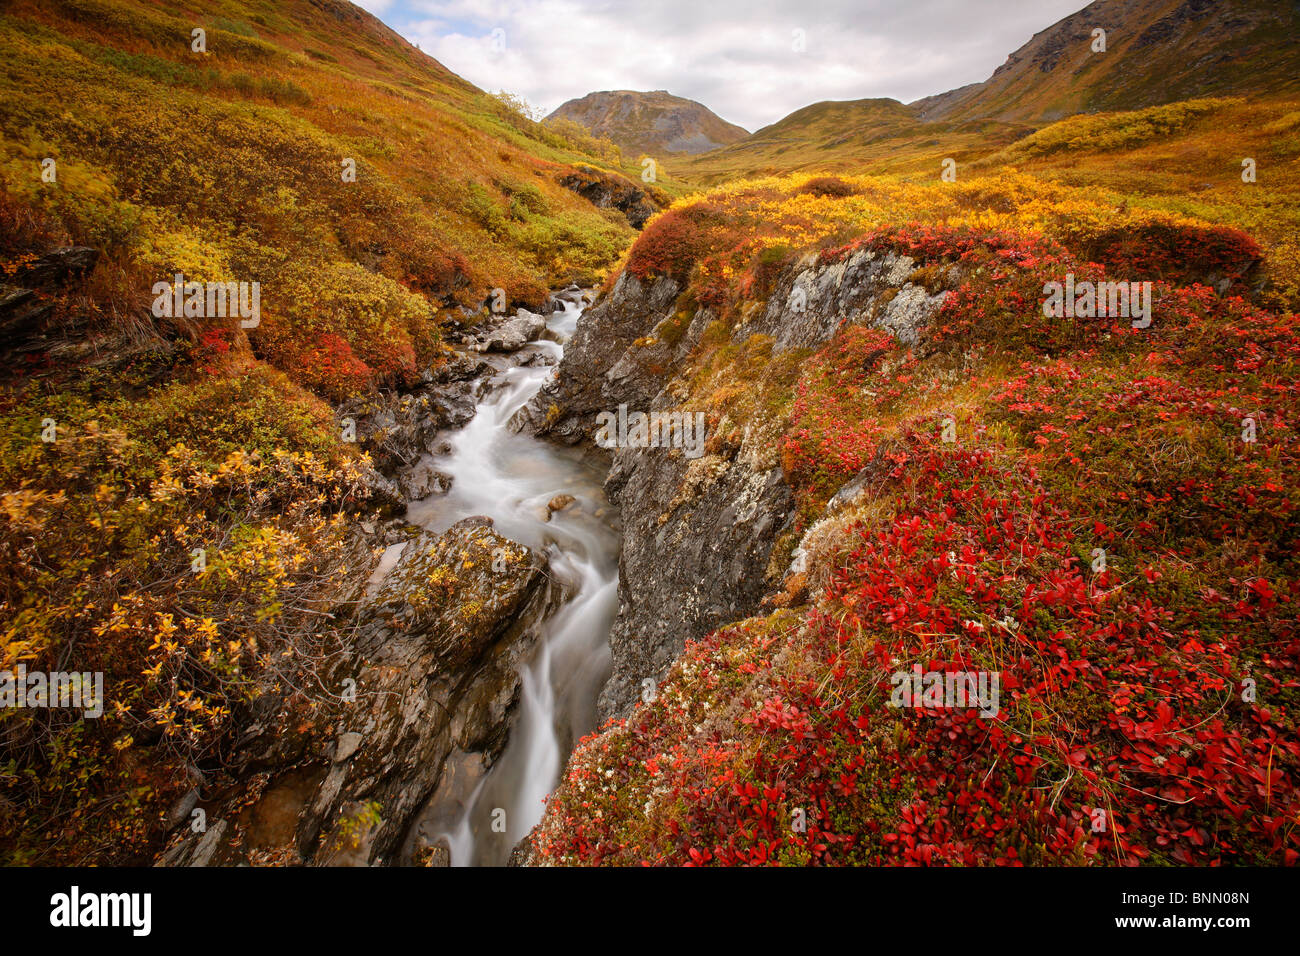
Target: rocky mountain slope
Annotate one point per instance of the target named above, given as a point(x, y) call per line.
point(1155, 52)
point(650, 123)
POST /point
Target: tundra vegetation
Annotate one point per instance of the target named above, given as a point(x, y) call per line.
point(370, 193)
point(1112, 529)
point(1158, 686)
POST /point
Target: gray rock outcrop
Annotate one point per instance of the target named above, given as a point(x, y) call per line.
point(337, 775)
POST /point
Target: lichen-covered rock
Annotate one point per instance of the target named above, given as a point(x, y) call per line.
point(422, 481)
point(456, 590)
point(697, 538)
point(869, 287)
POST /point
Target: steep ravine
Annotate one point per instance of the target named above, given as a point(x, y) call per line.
point(550, 499)
point(470, 661)
point(479, 652)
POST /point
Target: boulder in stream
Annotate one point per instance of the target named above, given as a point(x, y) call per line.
point(512, 334)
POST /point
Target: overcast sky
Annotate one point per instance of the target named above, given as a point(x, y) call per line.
point(737, 57)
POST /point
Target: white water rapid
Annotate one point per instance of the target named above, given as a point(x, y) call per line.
point(511, 478)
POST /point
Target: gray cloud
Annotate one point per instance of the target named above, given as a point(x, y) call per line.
point(737, 57)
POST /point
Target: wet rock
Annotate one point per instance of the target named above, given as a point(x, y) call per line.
point(383, 493)
point(422, 481)
point(560, 502)
point(434, 662)
point(570, 295)
point(438, 856)
point(522, 854)
point(398, 530)
point(456, 591)
point(512, 334)
point(537, 359)
point(397, 428)
point(459, 367)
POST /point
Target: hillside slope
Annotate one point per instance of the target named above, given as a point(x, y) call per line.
point(307, 138)
point(882, 135)
point(651, 123)
point(1155, 52)
point(1075, 537)
point(182, 490)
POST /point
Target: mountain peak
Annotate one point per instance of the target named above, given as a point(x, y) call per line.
point(650, 122)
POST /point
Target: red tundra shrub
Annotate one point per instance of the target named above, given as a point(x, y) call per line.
point(1112, 533)
point(1178, 253)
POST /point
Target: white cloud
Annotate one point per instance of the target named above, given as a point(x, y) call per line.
point(735, 56)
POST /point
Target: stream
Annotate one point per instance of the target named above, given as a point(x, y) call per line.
point(511, 477)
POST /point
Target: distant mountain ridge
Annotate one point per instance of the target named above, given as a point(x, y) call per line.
point(1156, 52)
point(651, 122)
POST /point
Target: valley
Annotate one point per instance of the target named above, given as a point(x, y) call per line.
point(898, 484)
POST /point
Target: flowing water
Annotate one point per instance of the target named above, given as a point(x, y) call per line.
point(511, 478)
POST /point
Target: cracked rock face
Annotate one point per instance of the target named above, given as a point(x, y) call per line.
point(697, 538)
point(34, 333)
point(600, 368)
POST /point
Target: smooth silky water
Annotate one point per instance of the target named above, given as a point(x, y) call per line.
point(510, 477)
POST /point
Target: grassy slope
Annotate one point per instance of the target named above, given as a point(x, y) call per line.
point(881, 135)
point(198, 435)
point(1184, 158)
point(228, 163)
point(1156, 52)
